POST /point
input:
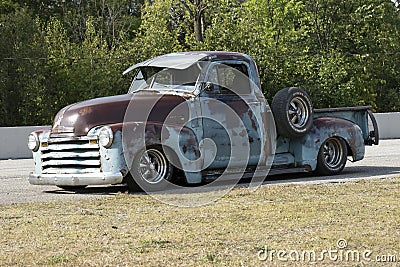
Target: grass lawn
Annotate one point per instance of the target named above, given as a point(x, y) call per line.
point(136, 230)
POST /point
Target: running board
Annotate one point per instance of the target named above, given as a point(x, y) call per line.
point(210, 176)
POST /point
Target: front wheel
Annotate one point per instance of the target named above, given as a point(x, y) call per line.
point(151, 171)
point(332, 156)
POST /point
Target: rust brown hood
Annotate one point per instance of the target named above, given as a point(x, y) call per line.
point(79, 118)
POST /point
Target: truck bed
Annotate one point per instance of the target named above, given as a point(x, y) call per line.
point(358, 115)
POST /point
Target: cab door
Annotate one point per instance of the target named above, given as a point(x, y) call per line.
point(228, 120)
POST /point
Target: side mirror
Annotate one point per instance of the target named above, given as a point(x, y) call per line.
point(209, 87)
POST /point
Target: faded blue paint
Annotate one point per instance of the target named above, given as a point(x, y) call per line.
point(283, 160)
point(112, 158)
point(180, 140)
point(282, 145)
point(305, 149)
point(185, 141)
point(300, 152)
point(357, 115)
point(43, 137)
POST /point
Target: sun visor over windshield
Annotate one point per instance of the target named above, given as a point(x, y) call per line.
point(173, 61)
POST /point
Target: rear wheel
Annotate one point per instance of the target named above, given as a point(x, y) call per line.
point(332, 156)
point(151, 171)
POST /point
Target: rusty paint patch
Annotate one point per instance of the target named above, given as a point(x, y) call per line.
point(84, 111)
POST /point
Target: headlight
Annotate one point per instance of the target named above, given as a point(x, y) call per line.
point(33, 142)
point(106, 136)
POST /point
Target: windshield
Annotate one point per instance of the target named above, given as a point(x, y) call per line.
point(158, 78)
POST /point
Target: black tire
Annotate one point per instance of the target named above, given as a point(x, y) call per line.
point(73, 188)
point(293, 112)
point(332, 156)
point(151, 171)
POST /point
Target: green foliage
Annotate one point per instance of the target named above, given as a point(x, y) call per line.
point(81, 71)
point(343, 53)
point(7, 6)
point(56, 52)
point(21, 93)
point(156, 35)
point(44, 67)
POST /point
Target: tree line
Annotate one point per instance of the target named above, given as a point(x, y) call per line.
point(57, 52)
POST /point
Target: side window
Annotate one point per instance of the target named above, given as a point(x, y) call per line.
point(230, 78)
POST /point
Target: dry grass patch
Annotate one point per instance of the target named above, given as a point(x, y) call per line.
point(136, 230)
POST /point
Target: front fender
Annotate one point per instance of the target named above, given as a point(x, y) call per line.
point(43, 136)
point(181, 140)
point(306, 148)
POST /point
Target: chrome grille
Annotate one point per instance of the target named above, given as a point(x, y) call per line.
point(66, 155)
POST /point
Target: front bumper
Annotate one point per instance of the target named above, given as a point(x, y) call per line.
point(76, 179)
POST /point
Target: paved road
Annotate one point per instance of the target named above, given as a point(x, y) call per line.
point(381, 161)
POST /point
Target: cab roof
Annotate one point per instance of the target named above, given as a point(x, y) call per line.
point(183, 60)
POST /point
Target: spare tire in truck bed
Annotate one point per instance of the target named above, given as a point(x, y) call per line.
point(293, 112)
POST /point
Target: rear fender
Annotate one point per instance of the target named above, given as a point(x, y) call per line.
point(306, 149)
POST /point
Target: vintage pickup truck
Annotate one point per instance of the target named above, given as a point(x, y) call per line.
point(194, 117)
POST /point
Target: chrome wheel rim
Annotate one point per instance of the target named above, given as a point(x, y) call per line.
point(298, 112)
point(153, 166)
point(333, 153)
